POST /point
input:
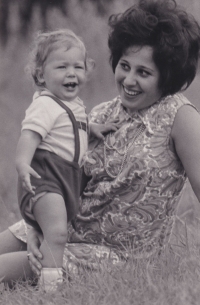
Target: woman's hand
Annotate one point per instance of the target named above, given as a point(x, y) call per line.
point(34, 239)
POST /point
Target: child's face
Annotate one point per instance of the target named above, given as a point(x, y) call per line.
point(137, 78)
point(64, 72)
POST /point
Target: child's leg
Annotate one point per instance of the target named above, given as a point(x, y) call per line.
point(51, 215)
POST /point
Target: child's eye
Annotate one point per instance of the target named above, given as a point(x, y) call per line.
point(62, 67)
point(80, 67)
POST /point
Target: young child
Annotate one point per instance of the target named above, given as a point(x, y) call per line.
point(52, 143)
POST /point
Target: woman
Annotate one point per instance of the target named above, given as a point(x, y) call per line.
point(138, 172)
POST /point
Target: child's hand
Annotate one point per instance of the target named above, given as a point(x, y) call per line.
point(24, 172)
point(97, 130)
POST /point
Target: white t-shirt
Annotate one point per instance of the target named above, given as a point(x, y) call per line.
point(52, 122)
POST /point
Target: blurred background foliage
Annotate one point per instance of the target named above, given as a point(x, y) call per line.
point(19, 21)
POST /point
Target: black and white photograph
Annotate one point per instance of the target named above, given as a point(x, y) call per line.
point(100, 152)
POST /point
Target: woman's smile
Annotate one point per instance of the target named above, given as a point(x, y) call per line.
point(131, 92)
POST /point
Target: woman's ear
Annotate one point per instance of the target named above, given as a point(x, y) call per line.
point(39, 75)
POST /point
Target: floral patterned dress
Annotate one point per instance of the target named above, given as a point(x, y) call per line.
point(136, 182)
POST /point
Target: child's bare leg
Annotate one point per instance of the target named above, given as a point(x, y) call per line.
point(51, 215)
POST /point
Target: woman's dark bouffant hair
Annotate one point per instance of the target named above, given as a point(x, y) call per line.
point(173, 34)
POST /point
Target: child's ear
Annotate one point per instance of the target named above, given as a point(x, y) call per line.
point(40, 77)
point(90, 65)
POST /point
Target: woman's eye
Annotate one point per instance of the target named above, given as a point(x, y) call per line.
point(144, 73)
point(124, 66)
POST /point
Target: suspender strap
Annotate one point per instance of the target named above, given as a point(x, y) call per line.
point(74, 124)
point(82, 125)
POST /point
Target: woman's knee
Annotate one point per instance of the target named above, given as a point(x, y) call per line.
point(15, 266)
point(9, 243)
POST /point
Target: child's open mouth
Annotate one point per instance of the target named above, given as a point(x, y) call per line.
point(70, 85)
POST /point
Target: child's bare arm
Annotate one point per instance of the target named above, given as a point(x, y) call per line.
point(27, 144)
point(98, 130)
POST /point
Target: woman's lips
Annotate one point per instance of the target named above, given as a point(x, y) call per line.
point(131, 92)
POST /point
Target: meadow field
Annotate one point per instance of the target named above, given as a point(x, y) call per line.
point(171, 279)
point(174, 278)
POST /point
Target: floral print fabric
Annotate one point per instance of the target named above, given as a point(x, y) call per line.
point(135, 186)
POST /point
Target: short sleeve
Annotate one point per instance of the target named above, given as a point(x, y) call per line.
point(41, 115)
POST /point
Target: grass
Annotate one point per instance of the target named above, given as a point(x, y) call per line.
point(171, 279)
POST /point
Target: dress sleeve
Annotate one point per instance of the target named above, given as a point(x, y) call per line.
point(41, 116)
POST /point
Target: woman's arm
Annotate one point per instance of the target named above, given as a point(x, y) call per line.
point(186, 136)
point(27, 144)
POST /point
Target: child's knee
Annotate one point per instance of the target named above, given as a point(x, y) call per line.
point(57, 235)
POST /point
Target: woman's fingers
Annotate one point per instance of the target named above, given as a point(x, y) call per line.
point(34, 239)
point(36, 253)
point(34, 264)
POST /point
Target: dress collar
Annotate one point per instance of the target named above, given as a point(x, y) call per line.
point(144, 115)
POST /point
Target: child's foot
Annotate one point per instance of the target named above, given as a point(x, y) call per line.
point(50, 279)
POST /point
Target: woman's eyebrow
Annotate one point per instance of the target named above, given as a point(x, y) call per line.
point(146, 68)
point(122, 59)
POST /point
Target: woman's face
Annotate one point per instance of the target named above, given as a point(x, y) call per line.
point(137, 78)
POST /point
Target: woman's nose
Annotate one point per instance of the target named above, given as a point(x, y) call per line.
point(130, 79)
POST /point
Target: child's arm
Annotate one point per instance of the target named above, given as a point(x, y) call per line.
point(97, 130)
point(27, 144)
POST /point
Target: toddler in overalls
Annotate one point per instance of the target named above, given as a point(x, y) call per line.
point(52, 143)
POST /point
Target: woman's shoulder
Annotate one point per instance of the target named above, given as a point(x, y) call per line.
point(169, 106)
point(101, 111)
point(163, 112)
point(174, 102)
